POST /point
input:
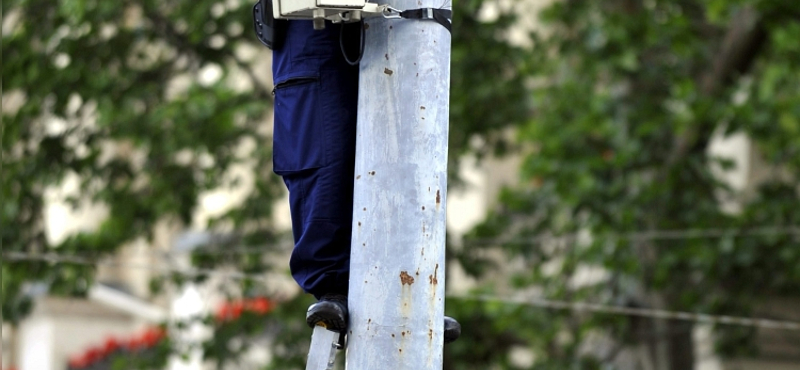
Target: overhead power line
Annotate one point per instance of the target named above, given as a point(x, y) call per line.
point(641, 312)
point(653, 235)
point(78, 260)
point(215, 249)
point(534, 302)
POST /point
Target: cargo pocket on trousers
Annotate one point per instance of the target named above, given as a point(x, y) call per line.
point(298, 133)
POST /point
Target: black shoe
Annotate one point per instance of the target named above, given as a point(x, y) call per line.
point(452, 329)
point(330, 312)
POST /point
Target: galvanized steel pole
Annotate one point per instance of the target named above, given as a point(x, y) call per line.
point(396, 299)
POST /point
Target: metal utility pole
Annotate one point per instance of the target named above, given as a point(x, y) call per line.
point(397, 278)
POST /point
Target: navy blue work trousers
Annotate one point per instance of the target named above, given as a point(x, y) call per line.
point(316, 97)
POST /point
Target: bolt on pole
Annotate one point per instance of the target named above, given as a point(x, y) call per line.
point(397, 277)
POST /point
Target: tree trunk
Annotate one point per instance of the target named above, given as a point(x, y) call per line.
point(680, 344)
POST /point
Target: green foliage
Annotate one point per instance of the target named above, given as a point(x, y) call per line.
point(121, 96)
point(153, 358)
point(487, 91)
point(613, 109)
point(617, 145)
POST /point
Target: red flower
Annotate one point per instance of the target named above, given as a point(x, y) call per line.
point(259, 305)
point(233, 310)
point(110, 346)
point(152, 336)
point(92, 355)
point(133, 343)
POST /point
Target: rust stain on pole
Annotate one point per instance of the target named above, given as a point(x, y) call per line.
point(405, 278)
point(434, 278)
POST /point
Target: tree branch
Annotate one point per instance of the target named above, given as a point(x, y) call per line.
point(170, 33)
point(740, 46)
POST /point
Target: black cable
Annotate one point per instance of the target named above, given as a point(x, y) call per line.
point(360, 48)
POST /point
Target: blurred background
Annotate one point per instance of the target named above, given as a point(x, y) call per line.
point(623, 177)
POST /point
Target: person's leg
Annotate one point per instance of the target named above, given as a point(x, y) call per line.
point(321, 203)
point(314, 150)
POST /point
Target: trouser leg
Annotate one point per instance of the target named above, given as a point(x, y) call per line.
point(314, 152)
point(321, 207)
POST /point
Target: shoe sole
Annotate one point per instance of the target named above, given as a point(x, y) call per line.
point(332, 324)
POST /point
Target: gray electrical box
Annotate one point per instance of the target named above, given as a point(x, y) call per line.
point(336, 11)
point(310, 9)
